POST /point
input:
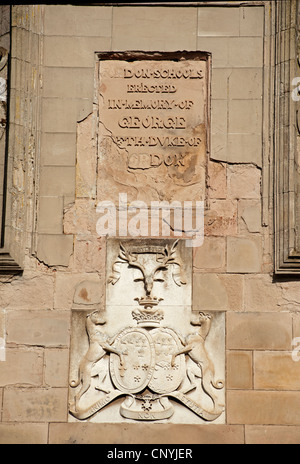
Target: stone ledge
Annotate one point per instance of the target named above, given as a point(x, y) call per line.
point(144, 434)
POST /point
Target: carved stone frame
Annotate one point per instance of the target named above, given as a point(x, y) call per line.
point(7, 263)
point(22, 137)
point(286, 141)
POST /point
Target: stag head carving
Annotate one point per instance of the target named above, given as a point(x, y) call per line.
point(148, 276)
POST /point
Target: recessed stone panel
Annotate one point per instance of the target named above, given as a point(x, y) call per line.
point(153, 121)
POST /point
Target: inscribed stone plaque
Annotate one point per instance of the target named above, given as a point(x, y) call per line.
point(147, 356)
point(153, 121)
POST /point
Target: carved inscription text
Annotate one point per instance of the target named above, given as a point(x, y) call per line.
point(154, 114)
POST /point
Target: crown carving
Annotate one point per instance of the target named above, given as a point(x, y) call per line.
point(148, 318)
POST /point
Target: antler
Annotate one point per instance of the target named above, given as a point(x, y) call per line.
point(128, 257)
point(124, 256)
point(170, 257)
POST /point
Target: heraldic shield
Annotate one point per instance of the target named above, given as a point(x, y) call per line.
point(148, 358)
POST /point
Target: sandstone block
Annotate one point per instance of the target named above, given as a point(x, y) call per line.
point(57, 181)
point(59, 115)
point(245, 116)
point(221, 218)
point(81, 218)
point(209, 293)
point(218, 47)
point(23, 434)
point(55, 250)
point(243, 148)
point(35, 405)
point(58, 149)
point(89, 254)
point(86, 168)
point(290, 295)
point(261, 294)
point(68, 83)
point(18, 294)
point(2, 336)
point(239, 370)
point(219, 116)
point(220, 78)
point(245, 50)
point(38, 328)
point(252, 21)
point(50, 216)
point(179, 27)
point(214, 21)
point(244, 255)
point(211, 255)
point(23, 367)
point(263, 407)
point(213, 292)
point(144, 434)
point(217, 180)
point(272, 435)
point(259, 331)
point(243, 182)
point(78, 20)
point(219, 147)
point(276, 371)
point(57, 367)
point(66, 285)
point(250, 218)
point(69, 52)
point(245, 84)
point(87, 293)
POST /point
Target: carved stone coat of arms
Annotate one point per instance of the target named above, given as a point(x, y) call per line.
point(147, 355)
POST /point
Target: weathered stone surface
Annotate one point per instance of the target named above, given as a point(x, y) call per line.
point(272, 435)
point(250, 219)
point(276, 371)
point(211, 255)
point(55, 250)
point(86, 167)
point(2, 336)
point(40, 328)
point(244, 255)
point(18, 293)
point(89, 254)
point(80, 218)
point(259, 331)
point(23, 434)
point(152, 153)
point(87, 293)
point(22, 367)
point(35, 405)
point(239, 370)
point(56, 367)
point(153, 29)
point(217, 180)
point(214, 292)
point(221, 218)
point(243, 182)
point(66, 285)
point(130, 434)
point(262, 294)
point(263, 407)
point(215, 22)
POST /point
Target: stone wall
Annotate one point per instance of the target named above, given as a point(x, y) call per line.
point(233, 270)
